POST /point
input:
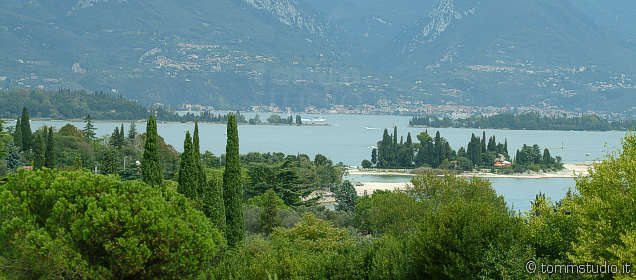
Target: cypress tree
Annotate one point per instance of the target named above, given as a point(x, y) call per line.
point(38, 152)
point(374, 156)
point(50, 150)
point(122, 136)
point(188, 178)
point(232, 186)
point(213, 205)
point(132, 133)
point(483, 142)
point(17, 136)
point(196, 152)
point(151, 169)
point(26, 130)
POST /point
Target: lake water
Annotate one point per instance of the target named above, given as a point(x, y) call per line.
point(518, 193)
point(349, 139)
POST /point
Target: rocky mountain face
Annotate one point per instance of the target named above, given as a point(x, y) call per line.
point(234, 53)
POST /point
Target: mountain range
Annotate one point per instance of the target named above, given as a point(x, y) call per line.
point(574, 55)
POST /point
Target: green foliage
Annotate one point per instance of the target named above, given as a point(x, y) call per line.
point(346, 196)
point(78, 225)
point(212, 200)
point(188, 173)
point(269, 216)
point(233, 186)
point(39, 149)
point(528, 121)
point(110, 164)
point(89, 128)
point(132, 131)
point(49, 154)
point(17, 135)
point(151, 169)
point(463, 219)
point(387, 212)
point(605, 209)
point(27, 138)
point(313, 249)
point(276, 119)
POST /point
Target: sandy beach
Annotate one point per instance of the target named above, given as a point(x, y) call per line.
point(570, 170)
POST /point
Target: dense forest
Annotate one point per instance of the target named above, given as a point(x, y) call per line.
point(250, 216)
point(67, 104)
point(528, 121)
point(436, 152)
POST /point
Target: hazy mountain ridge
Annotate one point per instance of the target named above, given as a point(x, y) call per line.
point(299, 52)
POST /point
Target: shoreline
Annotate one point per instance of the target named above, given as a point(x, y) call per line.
point(570, 170)
point(166, 122)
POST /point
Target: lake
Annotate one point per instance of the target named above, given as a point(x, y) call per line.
point(518, 193)
point(349, 139)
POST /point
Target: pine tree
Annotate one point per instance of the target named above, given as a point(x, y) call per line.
point(109, 166)
point(269, 216)
point(50, 150)
point(13, 158)
point(17, 136)
point(188, 178)
point(38, 152)
point(299, 120)
point(114, 138)
point(345, 196)
point(89, 128)
point(196, 151)
point(151, 169)
point(122, 136)
point(232, 186)
point(27, 136)
point(132, 133)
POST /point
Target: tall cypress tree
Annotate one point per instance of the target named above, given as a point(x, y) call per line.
point(26, 130)
point(109, 166)
point(38, 152)
point(122, 135)
point(17, 136)
point(151, 169)
point(49, 154)
point(188, 175)
point(132, 133)
point(232, 185)
point(196, 151)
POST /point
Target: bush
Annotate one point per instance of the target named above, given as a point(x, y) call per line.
point(78, 225)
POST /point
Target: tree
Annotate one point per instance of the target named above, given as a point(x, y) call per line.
point(17, 135)
point(13, 158)
point(374, 156)
point(38, 151)
point(98, 227)
point(89, 128)
point(151, 169)
point(132, 132)
point(196, 152)
point(50, 160)
point(114, 138)
point(346, 196)
point(604, 210)
point(366, 164)
point(547, 159)
point(212, 201)
point(109, 166)
point(27, 137)
point(232, 186)
point(122, 136)
point(188, 173)
point(269, 216)
point(299, 120)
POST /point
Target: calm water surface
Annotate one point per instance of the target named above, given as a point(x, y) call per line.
point(349, 139)
point(518, 193)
